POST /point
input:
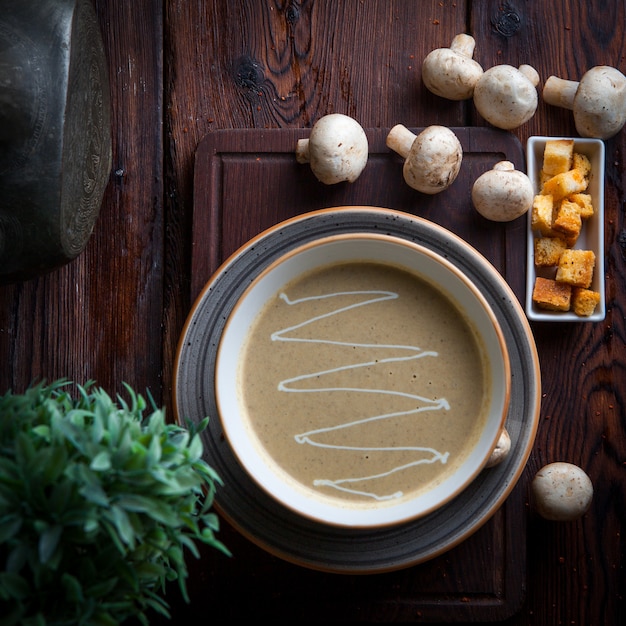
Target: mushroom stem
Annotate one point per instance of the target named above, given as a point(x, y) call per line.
point(504, 166)
point(531, 73)
point(302, 151)
point(464, 45)
point(560, 92)
point(400, 139)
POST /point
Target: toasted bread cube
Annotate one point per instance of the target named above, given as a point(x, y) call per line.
point(565, 184)
point(567, 221)
point(584, 301)
point(581, 163)
point(558, 156)
point(542, 213)
point(585, 204)
point(576, 267)
point(551, 295)
point(548, 251)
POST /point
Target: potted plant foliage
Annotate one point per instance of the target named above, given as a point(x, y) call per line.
point(100, 500)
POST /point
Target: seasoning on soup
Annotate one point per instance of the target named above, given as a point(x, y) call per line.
point(364, 382)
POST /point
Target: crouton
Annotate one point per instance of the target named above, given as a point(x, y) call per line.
point(541, 214)
point(567, 220)
point(581, 163)
point(565, 184)
point(584, 301)
point(558, 156)
point(552, 295)
point(548, 251)
point(576, 267)
point(585, 204)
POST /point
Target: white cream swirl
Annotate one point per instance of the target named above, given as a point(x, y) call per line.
point(427, 455)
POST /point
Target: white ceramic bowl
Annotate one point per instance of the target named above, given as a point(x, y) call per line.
point(592, 233)
point(247, 446)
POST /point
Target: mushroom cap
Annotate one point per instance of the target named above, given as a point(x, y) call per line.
point(451, 72)
point(505, 96)
point(503, 193)
point(562, 491)
point(434, 160)
point(600, 103)
point(337, 149)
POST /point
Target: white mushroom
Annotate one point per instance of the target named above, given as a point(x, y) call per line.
point(432, 158)
point(336, 149)
point(502, 449)
point(562, 491)
point(507, 97)
point(451, 72)
point(598, 100)
point(503, 193)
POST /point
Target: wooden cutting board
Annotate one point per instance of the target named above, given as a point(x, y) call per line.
point(248, 180)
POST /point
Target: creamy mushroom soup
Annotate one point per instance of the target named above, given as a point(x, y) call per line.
point(364, 382)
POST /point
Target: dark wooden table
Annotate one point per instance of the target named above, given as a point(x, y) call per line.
point(181, 70)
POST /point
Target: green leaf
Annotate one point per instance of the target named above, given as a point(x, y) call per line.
point(25, 452)
point(51, 463)
point(156, 423)
point(101, 462)
point(73, 588)
point(154, 451)
point(113, 424)
point(90, 526)
point(161, 511)
point(150, 571)
point(120, 519)
point(9, 527)
point(48, 542)
point(103, 588)
point(195, 448)
point(43, 431)
point(122, 449)
point(13, 586)
point(18, 557)
point(60, 497)
point(212, 521)
point(91, 488)
point(191, 546)
point(63, 430)
point(114, 536)
point(8, 470)
point(179, 439)
point(158, 605)
point(137, 457)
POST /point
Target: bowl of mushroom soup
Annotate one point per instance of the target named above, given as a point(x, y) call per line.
point(362, 380)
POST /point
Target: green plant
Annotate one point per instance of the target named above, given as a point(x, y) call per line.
point(98, 501)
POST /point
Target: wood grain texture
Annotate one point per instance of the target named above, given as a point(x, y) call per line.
point(576, 570)
point(282, 64)
point(92, 318)
point(181, 69)
point(226, 215)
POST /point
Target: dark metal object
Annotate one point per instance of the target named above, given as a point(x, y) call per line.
point(55, 133)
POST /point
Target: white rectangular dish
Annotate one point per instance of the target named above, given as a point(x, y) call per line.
point(591, 235)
